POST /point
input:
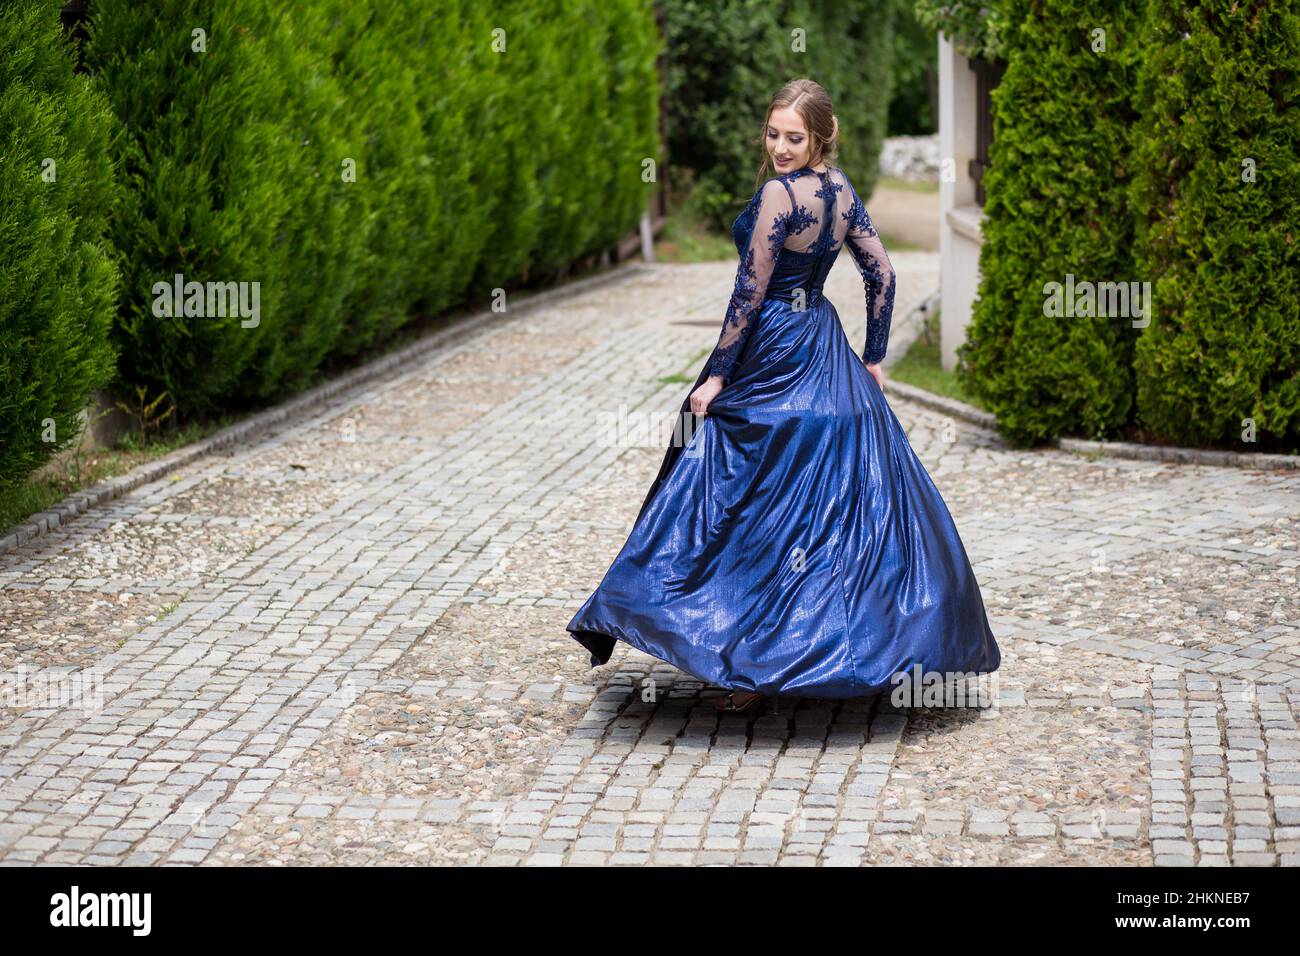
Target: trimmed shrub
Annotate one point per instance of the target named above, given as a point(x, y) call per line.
point(363, 162)
point(58, 282)
point(569, 119)
point(230, 163)
point(915, 73)
point(1218, 182)
point(1057, 206)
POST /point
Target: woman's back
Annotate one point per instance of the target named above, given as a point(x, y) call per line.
point(788, 237)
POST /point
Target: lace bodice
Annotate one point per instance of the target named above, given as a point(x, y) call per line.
point(788, 237)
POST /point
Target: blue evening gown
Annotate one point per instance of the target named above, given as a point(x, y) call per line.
point(793, 543)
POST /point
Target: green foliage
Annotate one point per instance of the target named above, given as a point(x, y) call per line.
point(977, 28)
point(1218, 180)
point(57, 278)
point(229, 162)
point(1057, 205)
point(915, 67)
point(363, 162)
point(1134, 165)
point(726, 59)
point(148, 413)
point(360, 162)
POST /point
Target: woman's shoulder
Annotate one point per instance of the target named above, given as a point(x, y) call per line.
point(848, 187)
point(772, 189)
point(785, 179)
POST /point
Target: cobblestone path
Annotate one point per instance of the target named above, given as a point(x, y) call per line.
point(345, 643)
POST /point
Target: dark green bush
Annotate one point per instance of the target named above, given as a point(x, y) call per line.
point(1219, 93)
point(565, 125)
point(1132, 166)
point(58, 282)
point(1057, 205)
point(727, 59)
point(915, 72)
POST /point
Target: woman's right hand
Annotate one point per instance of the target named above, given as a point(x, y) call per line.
point(705, 394)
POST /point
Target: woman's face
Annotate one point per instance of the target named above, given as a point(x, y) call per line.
point(788, 142)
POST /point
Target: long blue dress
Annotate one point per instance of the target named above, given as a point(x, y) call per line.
point(793, 543)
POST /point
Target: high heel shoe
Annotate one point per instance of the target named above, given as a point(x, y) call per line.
point(728, 705)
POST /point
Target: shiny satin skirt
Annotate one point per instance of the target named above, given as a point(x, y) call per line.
point(794, 545)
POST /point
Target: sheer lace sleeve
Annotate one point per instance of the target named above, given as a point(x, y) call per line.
point(756, 262)
point(877, 276)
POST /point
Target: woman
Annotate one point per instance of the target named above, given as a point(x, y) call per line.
point(798, 546)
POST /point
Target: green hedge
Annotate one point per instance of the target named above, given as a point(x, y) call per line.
point(1218, 173)
point(226, 165)
point(726, 59)
point(58, 282)
point(474, 168)
point(1127, 166)
point(1056, 206)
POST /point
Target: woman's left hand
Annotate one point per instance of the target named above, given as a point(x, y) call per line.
point(706, 393)
point(877, 374)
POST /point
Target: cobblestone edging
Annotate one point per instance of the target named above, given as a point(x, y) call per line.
point(80, 502)
point(1108, 449)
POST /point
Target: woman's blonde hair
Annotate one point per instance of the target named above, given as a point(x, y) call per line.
point(813, 104)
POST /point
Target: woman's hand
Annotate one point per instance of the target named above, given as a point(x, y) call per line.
point(877, 375)
point(706, 393)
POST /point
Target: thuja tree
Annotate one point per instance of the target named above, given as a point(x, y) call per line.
point(1218, 187)
point(57, 277)
point(230, 162)
point(496, 145)
point(563, 116)
point(382, 55)
point(1057, 212)
point(361, 161)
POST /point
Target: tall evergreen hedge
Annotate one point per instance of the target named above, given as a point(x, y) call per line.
point(562, 123)
point(1218, 181)
point(58, 281)
point(1171, 159)
point(485, 146)
point(234, 127)
point(1057, 206)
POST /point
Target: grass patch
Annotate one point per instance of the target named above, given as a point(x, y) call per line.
point(78, 470)
point(922, 366)
point(686, 378)
point(687, 237)
point(890, 182)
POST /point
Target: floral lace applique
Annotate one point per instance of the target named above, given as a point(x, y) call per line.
point(773, 215)
point(859, 221)
point(774, 220)
point(878, 278)
point(799, 220)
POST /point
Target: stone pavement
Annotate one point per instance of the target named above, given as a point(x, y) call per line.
point(345, 643)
